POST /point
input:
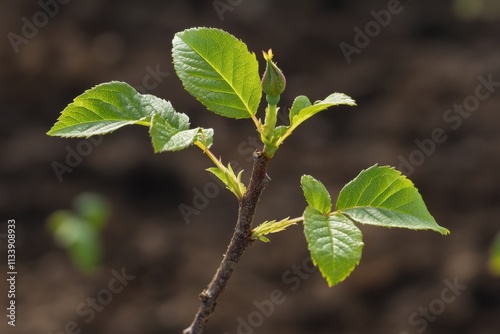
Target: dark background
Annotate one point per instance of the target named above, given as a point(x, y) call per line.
point(426, 60)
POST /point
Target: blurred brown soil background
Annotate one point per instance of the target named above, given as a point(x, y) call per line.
point(405, 80)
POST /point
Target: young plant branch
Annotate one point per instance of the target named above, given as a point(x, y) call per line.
point(241, 240)
point(217, 69)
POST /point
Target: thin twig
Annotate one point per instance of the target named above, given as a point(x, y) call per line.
point(241, 240)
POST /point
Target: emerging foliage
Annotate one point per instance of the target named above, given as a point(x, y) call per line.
point(230, 179)
point(272, 226)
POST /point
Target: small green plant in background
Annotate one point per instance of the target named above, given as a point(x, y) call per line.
point(79, 231)
point(218, 70)
point(477, 10)
point(494, 260)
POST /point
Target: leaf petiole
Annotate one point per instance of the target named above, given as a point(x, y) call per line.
point(209, 153)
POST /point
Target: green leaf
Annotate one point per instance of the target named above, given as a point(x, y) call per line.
point(382, 196)
point(217, 69)
point(303, 114)
point(316, 194)
point(166, 137)
point(335, 244)
point(103, 109)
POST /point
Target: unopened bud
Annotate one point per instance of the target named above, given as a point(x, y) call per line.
point(273, 80)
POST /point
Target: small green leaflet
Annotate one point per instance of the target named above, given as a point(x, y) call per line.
point(316, 194)
point(110, 106)
point(217, 69)
point(166, 137)
point(377, 196)
point(302, 110)
point(335, 244)
point(303, 114)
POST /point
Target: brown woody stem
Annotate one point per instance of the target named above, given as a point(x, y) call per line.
point(241, 240)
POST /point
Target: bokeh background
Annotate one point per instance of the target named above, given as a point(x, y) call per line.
point(405, 80)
